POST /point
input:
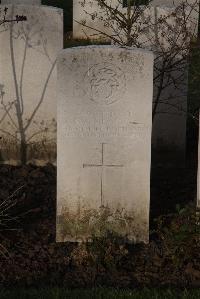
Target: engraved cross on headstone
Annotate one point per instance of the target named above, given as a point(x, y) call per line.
point(102, 166)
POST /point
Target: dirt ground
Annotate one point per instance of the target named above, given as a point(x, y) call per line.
point(30, 257)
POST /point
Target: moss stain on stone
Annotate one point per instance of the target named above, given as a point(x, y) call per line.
point(89, 223)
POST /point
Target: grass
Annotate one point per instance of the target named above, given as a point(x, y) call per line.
point(83, 42)
point(99, 293)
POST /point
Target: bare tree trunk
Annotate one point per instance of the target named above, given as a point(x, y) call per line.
point(23, 152)
point(23, 143)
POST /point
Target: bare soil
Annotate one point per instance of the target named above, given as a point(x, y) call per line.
point(31, 257)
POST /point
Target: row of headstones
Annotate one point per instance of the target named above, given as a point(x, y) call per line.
point(104, 116)
point(28, 73)
point(169, 124)
point(104, 122)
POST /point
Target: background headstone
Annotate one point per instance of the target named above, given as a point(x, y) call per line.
point(169, 123)
point(28, 83)
point(104, 142)
point(90, 14)
point(144, 29)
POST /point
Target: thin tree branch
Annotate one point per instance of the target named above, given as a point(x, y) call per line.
point(41, 99)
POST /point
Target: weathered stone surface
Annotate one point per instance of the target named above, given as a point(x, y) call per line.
point(104, 142)
point(28, 83)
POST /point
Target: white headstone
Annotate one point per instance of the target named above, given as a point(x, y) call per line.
point(104, 142)
point(28, 2)
point(28, 83)
point(90, 13)
point(192, 5)
point(172, 3)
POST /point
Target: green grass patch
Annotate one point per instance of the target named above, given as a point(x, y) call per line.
point(100, 293)
point(83, 42)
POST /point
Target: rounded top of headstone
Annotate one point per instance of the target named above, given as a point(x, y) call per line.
point(108, 47)
point(28, 2)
